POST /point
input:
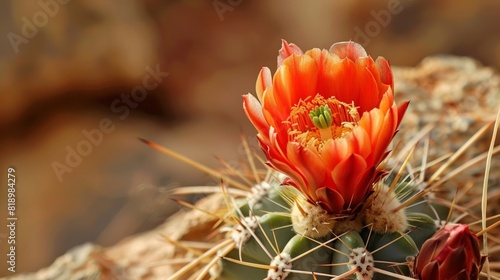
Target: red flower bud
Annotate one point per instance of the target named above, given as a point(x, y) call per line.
point(452, 253)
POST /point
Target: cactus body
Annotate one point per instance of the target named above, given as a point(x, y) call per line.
point(274, 240)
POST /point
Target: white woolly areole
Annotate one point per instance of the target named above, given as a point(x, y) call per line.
point(379, 211)
point(279, 267)
point(440, 224)
point(313, 221)
point(361, 260)
point(258, 192)
point(243, 231)
point(343, 225)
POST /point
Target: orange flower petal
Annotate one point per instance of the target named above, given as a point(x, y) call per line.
point(286, 51)
point(347, 175)
point(385, 72)
point(294, 80)
point(330, 199)
point(334, 151)
point(383, 83)
point(402, 110)
point(309, 163)
point(350, 50)
point(264, 80)
point(253, 109)
point(348, 82)
point(360, 141)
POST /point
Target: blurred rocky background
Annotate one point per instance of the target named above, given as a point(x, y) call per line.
point(81, 79)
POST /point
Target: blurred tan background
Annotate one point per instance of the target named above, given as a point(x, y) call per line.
point(81, 79)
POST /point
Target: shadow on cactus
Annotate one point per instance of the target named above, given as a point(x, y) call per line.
point(331, 201)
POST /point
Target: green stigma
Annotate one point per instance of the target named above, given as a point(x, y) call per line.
point(321, 116)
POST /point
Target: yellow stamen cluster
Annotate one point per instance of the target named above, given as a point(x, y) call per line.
point(313, 121)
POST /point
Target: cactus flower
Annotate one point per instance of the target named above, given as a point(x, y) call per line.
point(325, 119)
point(452, 253)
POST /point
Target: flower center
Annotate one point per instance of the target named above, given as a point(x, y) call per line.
point(315, 120)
